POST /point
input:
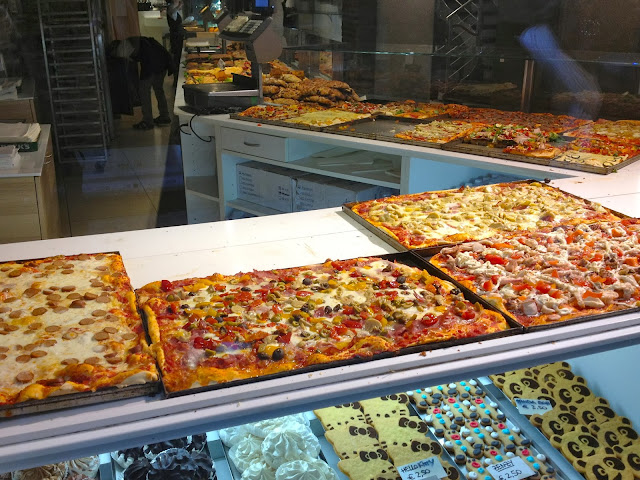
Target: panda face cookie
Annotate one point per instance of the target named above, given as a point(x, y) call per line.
point(555, 423)
point(606, 466)
point(577, 446)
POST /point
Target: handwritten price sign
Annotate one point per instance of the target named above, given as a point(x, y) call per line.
point(530, 406)
point(427, 469)
point(513, 469)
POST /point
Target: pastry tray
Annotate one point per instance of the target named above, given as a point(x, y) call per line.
point(539, 443)
point(408, 259)
point(73, 400)
point(378, 127)
point(428, 252)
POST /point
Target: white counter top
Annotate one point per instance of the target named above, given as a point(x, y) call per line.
point(31, 163)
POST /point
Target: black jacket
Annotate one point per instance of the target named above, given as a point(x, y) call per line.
point(152, 56)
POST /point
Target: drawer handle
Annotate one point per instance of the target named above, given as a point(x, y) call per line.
point(251, 144)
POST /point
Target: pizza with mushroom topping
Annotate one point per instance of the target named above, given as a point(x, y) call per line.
point(69, 324)
point(421, 220)
point(554, 274)
point(227, 327)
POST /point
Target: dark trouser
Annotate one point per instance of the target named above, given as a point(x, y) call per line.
point(157, 82)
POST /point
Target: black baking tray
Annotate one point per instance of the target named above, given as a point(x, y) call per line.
point(377, 127)
point(408, 259)
point(428, 252)
point(73, 400)
point(512, 319)
point(493, 152)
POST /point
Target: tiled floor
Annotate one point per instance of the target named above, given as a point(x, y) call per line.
point(139, 186)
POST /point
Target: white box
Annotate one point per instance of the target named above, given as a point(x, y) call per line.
point(267, 185)
point(317, 191)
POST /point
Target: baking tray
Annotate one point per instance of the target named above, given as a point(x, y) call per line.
point(73, 400)
point(539, 444)
point(371, 129)
point(605, 170)
point(408, 259)
point(428, 252)
point(533, 328)
point(402, 125)
point(493, 152)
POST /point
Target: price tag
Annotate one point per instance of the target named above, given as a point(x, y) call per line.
point(530, 406)
point(427, 469)
point(513, 469)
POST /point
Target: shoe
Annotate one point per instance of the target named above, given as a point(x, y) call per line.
point(143, 125)
point(162, 120)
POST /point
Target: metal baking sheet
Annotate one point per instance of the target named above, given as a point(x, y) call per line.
point(514, 320)
point(79, 399)
point(592, 168)
point(408, 259)
point(370, 128)
point(493, 152)
point(428, 252)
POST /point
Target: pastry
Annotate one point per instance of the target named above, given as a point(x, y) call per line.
point(87, 466)
point(178, 464)
point(305, 470)
point(259, 471)
point(153, 449)
point(347, 441)
point(137, 470)
point(286, 445)
point(246, 451)
point(54, 471)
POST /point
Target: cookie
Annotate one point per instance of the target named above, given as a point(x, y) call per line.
point(509, 437)
point(469, 387)
point(555, 423)
point(399, 430)
point(483, 435)
point(387, 406)
point(569, 392)
point(596, 410)
point(418, 449)
point(615, 432)
point(605, 465)
point(631, 456)
point(577, 445)
point(369, 465)
point(348, 440)
point(340, 415)
point(477, 469)
point(440, 417)
point(488, 411)
point(537, 462)
point(462, 447)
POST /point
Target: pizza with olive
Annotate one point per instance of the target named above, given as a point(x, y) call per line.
point(69, 324)
point(228, 327)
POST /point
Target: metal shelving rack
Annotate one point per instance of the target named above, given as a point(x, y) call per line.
point(72, 42)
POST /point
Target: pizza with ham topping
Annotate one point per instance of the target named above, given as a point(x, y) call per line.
point(228, 327)
point(426, 219)
point(553, 275)
point(69, 324)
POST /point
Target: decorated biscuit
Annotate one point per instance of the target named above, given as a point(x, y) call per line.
point(387, 406)
point(469, 387)
point(555, 422)
point(477, 468)
point(510, 438)
point(399, 431)
point(488, 411)
point(605, 465)
point(418, 449)
point(347, 441)
point(617, 432)
point(577, 446)
point(441, 417)
point(483, 435)
point(340, 415)
point(536, 461)
point(631, 456)
point(369, 464)
point(570, 392)
point(461, 447)
point(596, 410)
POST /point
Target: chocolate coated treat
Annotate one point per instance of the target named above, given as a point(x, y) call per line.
point(177, 464)
point(137, 470)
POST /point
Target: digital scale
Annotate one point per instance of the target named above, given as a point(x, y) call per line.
point(262, 44)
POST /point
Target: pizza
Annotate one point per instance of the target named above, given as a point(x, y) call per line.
point(516, 139)
point(426, 219)
point(605, 147)
point(227, 327)
point(276, 112)
point(553, 275)
point(69, 324)
point(546, 122)
point(623, 131)
point(326, 118)
point(438, 131)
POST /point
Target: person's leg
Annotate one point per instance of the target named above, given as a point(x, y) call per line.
point(145, 101)
point(158, 88)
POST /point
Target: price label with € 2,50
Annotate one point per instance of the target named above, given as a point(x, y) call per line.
point(528, 406)
point(427, 469)
point(513, 469)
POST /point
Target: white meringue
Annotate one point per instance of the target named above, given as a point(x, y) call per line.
point(259, 471)
point(245, 452)
point(305, 470)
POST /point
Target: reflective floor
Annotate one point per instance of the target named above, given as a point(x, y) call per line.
point(139, 186)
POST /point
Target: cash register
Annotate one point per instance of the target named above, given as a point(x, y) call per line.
point(262, 44)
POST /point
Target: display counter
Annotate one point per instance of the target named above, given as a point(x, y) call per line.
point(263, 243)
point(29, 195)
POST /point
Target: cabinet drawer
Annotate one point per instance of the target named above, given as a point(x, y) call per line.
point(261, 145)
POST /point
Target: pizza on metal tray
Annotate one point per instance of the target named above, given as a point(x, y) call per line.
point(228, 327)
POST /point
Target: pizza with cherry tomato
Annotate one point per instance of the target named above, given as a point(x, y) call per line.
point(555, 274)
point(516, 139)
point(426, 219)
point(227, 327)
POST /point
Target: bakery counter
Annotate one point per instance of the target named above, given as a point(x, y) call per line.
point(262, 243)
